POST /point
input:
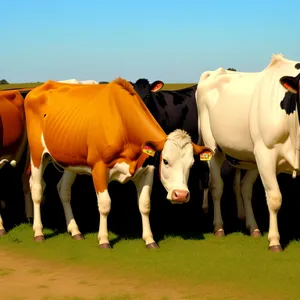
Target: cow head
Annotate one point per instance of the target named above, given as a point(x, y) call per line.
point(290, 83)
point(176, 159)
point(145, 89)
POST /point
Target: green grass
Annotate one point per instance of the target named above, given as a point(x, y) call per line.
point(237, 260)
point(5, 271)
point(19, 85)
point(167, 86)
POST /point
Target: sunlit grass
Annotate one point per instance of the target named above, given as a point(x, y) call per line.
point(235, 259)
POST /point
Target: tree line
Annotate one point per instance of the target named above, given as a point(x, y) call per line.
point(4, 81)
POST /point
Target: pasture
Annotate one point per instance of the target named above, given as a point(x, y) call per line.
point(167, 86)
point(191, 262)
point(236, 267)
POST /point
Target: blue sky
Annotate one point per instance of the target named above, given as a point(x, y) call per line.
point(174, 41)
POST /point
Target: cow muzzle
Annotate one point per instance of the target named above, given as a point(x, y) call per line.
point(180, 196)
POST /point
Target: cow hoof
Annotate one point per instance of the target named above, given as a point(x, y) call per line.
point(152, 245)
point(2, 232)
point(39, 238)
point(275, 248)
point(256, 233)
point(205, 210)
point(105, 246)
point(220, 233)
point(77, 237)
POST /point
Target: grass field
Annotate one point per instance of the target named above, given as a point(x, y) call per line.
point(234, 267)
point(167, 86)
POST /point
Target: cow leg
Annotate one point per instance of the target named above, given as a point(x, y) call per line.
point(64, 188)
point(205, 200)
point(216, 187)
point(28, 199)
point(2, 230)
point(238, 195)
point(104, 206)
point(143, 183)
point(37, 186)
point(104, 202)
point(205, 178)
point(26, 189)
point(246, 188)
point(267, 169)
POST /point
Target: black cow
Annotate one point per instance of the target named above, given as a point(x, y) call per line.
point(172, 110)
point(178, 109)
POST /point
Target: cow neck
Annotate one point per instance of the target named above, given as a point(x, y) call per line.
point(138, 125)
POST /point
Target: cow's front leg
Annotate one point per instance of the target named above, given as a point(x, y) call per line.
point(104, 202)
point(266, 164)
point(64, 188)
point(37, 186)
point(143, 183)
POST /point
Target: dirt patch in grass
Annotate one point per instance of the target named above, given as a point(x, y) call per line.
point(29, 278)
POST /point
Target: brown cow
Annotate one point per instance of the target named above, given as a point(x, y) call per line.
point(13, 138)
point(107, 132)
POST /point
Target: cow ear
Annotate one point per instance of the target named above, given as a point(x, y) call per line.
point(156, 86)
point(150, 147)
point(204, 152)
point(289, 83)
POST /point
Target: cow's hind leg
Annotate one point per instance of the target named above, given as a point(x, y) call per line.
point(37, 186)
point(205, 180)
point(238, 195)
point(246, 190)
point(216, 187)
point(205, 200)
point(143, 183)
point(64, 188)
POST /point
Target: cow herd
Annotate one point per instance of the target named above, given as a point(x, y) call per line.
point(123, 131)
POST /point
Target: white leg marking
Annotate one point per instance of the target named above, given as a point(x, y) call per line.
point(246, 189)
point(143, 183)
point(266, 164)
point(104, 206)
point(64, 187)
point(238, 195)
point(37, 186)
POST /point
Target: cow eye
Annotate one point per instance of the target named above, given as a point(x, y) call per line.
point(165, 162)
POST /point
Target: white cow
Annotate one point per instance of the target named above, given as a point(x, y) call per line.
point(253, 118)
point(75, 81)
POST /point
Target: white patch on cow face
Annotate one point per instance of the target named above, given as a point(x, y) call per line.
point(176, 162)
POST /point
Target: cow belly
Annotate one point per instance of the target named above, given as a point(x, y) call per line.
point(230, 129)
point(65, 139)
